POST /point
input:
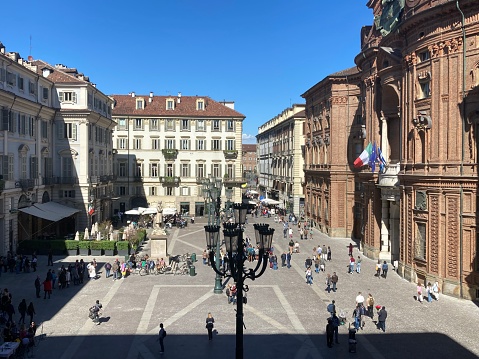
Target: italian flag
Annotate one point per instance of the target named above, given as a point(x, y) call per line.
point(364, 157)
point(91, 210)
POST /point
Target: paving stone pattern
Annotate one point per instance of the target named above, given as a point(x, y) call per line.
point(284, 317)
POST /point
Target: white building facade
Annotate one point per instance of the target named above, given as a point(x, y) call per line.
point(280, 143)
point(167, 145)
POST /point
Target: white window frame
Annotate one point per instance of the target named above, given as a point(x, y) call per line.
point(200, 126)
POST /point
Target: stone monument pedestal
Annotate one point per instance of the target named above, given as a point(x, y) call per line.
point(158, 246)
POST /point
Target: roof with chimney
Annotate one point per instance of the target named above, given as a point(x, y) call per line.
point(126, 105)
point(61, 73)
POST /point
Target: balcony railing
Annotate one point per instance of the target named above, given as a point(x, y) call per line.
point(104, 179)
point(48, 181)
point(66, 180)
point(234, 182)
point(170, 153)
point(200, 180)
point(170, 181)
point(25, 184)
point(94, 180)
point(231, 154)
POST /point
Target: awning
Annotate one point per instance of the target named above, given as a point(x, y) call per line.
point(50, 211)
point(270, 201)
point(169, 211)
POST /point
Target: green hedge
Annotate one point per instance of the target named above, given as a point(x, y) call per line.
point(83, 244)
point(108, 245)
point(122, 245)
point(71, 245)
point(95, 245)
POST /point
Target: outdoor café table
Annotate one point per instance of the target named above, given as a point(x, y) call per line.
point(7, 349)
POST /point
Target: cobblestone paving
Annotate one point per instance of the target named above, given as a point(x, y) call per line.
point(284, 317)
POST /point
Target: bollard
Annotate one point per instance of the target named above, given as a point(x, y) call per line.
point(193, 257)
point(192, 271)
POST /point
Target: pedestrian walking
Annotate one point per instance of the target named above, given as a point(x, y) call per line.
point(31, 311)
point(350, 249)
point(378, 269)
point(50, 258)
point(435, 290)
point(329, 253)
point(10, 310)
point(324, 252)
point(107, 269)
point(419, 292)
point(335, 322)
point(290, 231)
point(334, 280)
point(329, 333)
point(95, 312)
point(37, 286)
point(210, 325)
point(316, 264)
point(331, 308)
point(328, 283)
point(429, 292)
point(358, 265)
point(22, 310)
point(382, 315)
point(309, 276)
point(370, 305)
point(47, 288)
point(161, 337)
point(311, 233)
point(301, 233)
point(288, 260)
point(34, 262)
point(283, 259)
point(351, 264)
point(385, 269)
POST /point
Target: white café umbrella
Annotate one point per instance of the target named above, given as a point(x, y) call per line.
point(96, 227)
point(110, 232)
point(92, 230)
point(77, 236)
point(86, 236)
point(98, 236)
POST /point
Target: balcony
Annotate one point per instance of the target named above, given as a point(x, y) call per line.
point(231, 154)
point(234, 182)
point(200, 180)
point(48, 181)
point(390, 176)
point(170, 153)
point(66, 180)
point(103, 179)
point(137, 179)
point(170, 181)
point(25, 184)
point(94, 180)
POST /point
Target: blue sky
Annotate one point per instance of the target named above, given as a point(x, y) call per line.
point(260, 54)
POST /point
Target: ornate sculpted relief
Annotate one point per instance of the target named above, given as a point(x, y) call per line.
point(434, 230)
point(452, 237)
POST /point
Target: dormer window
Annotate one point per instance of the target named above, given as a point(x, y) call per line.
point(170, 104)
point(140, 104)
point(67, 96)
point(200, 104)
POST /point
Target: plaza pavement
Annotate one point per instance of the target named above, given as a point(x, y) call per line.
point(284, 317)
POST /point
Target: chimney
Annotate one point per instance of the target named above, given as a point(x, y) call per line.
point(179, 97)
point(151, 97)
point(30, 58)
point(46, 72)
point(132, 94)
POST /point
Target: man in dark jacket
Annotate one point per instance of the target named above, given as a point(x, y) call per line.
point(38, 286)
point(382, 315)
point(329, 333)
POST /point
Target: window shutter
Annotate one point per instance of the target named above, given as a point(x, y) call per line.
point(73, 193)
point(74, 97)
point(60, 194)
point(4, 120)
point(33, 122)
point(60, 96)
point(189, 170)
point(45, 93)
point(74, 131)
point(61, 129)
point(2, 75)
point(5, 167)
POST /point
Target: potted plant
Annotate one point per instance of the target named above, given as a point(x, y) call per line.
point(84, 247)
point(108, 247)
point(72, 247)
point(95, 248)
point(122, 248)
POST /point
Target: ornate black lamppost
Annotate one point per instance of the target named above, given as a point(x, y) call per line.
point(235, 247)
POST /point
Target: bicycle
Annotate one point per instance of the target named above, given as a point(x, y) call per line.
point(184, 257)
